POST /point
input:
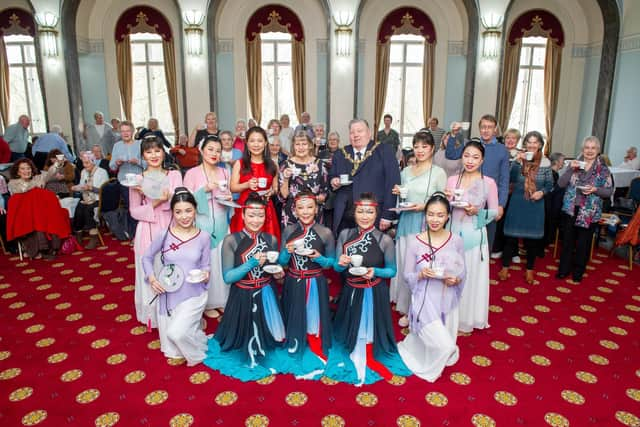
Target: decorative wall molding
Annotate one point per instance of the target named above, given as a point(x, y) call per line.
point(586, 50)
point(457, 48)
point(87, 45)
point(629, 43)
point(224, 45)
point(322, 46)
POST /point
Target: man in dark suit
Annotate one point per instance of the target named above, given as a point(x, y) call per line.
point(372, 168)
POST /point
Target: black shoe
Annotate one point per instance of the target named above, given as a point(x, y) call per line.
point(561, 275)
point(577, 278)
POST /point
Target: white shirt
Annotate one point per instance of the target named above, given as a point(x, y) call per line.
point(631, 164)
point(100, 130)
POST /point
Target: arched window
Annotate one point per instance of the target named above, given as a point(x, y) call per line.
point(404, 70)
point(531, 73)
point(146, 68)
point(275, 64)
point(20, 91)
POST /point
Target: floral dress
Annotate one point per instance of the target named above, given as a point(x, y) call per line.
point(313, 177)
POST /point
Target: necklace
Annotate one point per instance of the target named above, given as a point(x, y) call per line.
point(356, 163)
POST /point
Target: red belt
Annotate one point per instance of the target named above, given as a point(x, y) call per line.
point(359, 282)
point(305, 274)
point(253, 283)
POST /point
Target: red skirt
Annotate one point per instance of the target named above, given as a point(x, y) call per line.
point(36, 210)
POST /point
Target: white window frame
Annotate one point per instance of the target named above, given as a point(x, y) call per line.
point(404, 40)
point(148, 39)
point(279, 41)
point(532, 43)
point(22, 41)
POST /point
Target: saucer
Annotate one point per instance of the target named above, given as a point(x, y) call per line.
point(198, 279)
point(345, 183)
point(405, 205)
point(129, 184)
point(229, 203)
point(303, 252)
point(459, 204)
point(262, 192)
point(358, 271)
point(272, 268)
point(581, 187)
point(225, 197)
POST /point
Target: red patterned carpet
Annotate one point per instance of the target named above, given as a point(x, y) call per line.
point(71, 353)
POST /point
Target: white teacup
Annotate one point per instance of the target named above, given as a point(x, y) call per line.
point(582, 165)
point(272, 256)
point(438, 270)
point(295, 171)
point(262, 182)
point(222, 185)
point(195, 274)
point(457, 193)
point(404, 192)
point(529, 155)
point(344, 178)
point(298, 244)
point(60, 157)
point(356, 260)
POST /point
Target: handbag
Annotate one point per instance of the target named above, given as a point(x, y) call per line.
point(69, 246)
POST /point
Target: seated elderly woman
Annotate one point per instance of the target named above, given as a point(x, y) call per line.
point(91, 179)
point(34, 212)
point(62, 181)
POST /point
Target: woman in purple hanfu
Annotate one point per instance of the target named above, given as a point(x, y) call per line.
point(181, 284)
point(435, 272)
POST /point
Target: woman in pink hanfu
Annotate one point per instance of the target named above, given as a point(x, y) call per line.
point(149, 205)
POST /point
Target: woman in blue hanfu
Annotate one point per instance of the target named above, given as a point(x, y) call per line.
point(307, 248)
point(251, 329)
point(365, 349)
point(435, 273)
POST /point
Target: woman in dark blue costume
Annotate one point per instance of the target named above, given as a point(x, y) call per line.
point(307, 248)
point(363, 326)
point(252, 328)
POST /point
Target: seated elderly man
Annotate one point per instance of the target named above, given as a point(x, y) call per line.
point(631, 160)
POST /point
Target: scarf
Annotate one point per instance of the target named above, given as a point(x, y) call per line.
point(530, 171)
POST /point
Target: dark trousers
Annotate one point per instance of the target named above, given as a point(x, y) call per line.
point(491, 234)
point(576, 242)
point(16, 156)
point(131, 223)
point(499, 240)
point(510, 249)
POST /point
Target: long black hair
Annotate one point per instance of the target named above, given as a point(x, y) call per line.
point(150, 141)
point(182, 194)
point(269, 165)
point(254, 199)
point(438, 197)
point(425, 137)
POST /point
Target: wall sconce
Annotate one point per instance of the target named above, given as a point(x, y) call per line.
point(47, 22)
point(343, 32)
point(491, 36)
point(193, 31)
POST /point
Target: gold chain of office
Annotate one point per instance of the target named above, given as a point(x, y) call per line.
point(357, 163)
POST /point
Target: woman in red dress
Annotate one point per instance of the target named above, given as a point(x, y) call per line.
point(255, 172)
